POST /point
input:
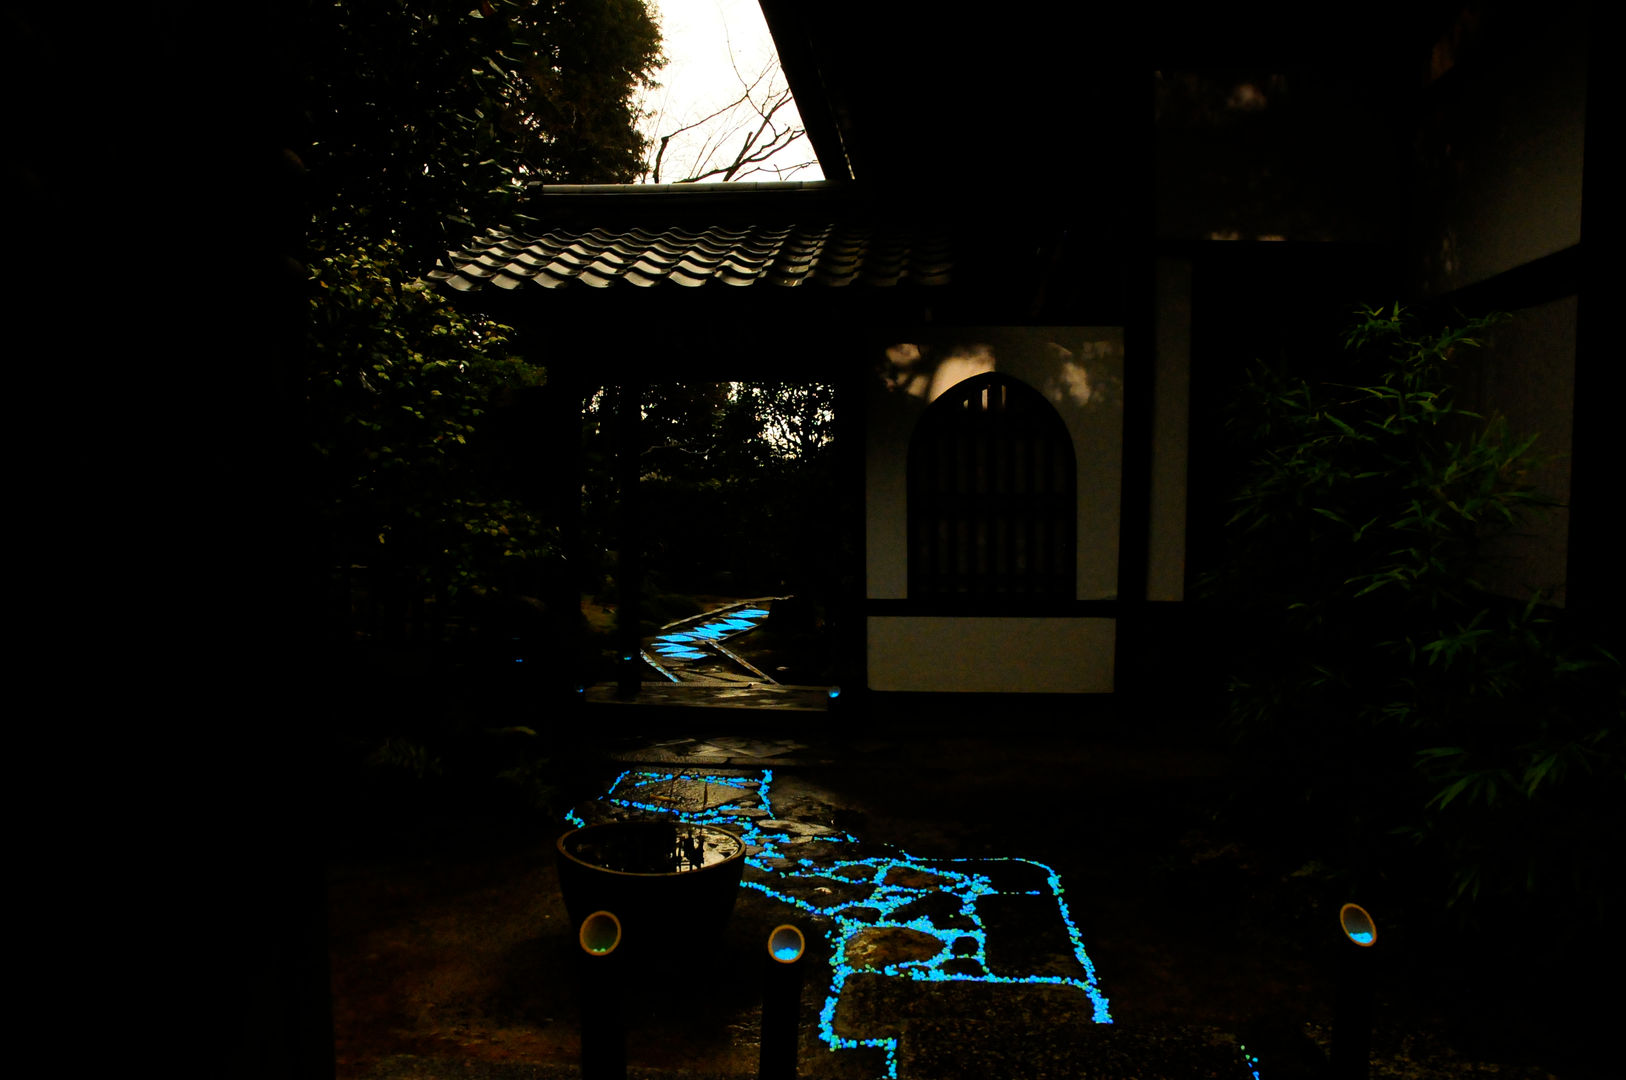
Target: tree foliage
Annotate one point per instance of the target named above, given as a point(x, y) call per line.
point(428, 120)
point(734, 478)
point(401, 381)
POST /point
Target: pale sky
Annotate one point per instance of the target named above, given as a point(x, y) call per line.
point(697, 36)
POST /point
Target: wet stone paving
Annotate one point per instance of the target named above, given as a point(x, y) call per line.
point(696, 651)
point(906, 933)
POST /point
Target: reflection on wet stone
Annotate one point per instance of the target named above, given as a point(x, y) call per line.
point(826, 893)
point(687, 796)
point(796, 828)
point(910, 878)
point(886, 945)
point(818, 851)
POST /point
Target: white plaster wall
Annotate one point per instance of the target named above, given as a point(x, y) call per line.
point(1004, 655)
point(1500, 152)
point(1078, 369)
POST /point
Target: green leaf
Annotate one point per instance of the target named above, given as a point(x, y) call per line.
point(1443, 798)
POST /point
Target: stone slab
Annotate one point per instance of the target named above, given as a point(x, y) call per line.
point(959, 1048)
point(877, 1006)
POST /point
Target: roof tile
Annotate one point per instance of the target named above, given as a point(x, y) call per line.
point(782, 255)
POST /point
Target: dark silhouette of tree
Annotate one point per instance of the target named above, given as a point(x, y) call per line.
point(428, 120)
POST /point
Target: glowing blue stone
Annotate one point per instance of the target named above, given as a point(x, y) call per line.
point(785, 952)
point(1363, 937)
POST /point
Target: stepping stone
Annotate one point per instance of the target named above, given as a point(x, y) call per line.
point(685, 795)
point(822, 851)
point(757, 748)
point(1026, 936)
point(883, 946)
point(1004, 875)
point(910, 878)
point(824, 893)
point(797, 828)
point(962, 1048)
point(873, 1005)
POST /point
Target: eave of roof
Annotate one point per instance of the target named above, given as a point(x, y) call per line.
point(785, 234)
point(827, 254)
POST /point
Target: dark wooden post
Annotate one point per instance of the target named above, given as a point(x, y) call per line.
point(848, 595)
point(561, 469)
point(629, 571)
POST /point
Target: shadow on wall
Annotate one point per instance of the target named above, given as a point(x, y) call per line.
point(1079, 370)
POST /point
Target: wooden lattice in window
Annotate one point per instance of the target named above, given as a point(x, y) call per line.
point(992, 495)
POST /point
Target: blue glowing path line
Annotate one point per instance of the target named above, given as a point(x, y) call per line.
point(700, 639)
point(966, 886)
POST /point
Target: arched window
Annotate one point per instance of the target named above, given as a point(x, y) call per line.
point(992, 495)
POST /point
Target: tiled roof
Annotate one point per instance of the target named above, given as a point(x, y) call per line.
point(695, 257)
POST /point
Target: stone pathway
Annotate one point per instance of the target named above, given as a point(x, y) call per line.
point(911, 940)
point(725, 751)
point(716, 694)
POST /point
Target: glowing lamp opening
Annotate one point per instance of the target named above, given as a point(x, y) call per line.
point(786, 944)
point(1357, 925)
point(600, 933)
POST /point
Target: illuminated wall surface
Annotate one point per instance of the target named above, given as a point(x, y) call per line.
point(868, 890)
point(1079, 370)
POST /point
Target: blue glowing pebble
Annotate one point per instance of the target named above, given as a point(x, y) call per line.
point(1363, 937)
point(785, 952)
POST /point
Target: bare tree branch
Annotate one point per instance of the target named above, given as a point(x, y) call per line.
point(748, 124)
